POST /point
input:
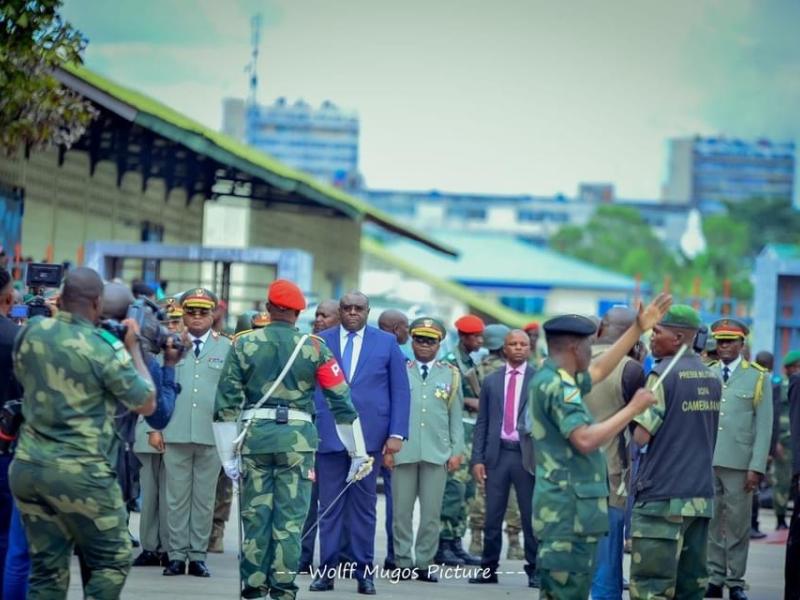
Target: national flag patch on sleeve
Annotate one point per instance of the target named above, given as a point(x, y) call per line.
point(330, 374)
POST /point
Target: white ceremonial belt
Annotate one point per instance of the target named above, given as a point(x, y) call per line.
point(271, 413)
point(469, 420)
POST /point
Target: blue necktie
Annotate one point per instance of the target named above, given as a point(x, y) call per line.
point(347, 355)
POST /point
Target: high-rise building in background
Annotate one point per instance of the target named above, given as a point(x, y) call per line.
point(320, 141)
point(704, 171)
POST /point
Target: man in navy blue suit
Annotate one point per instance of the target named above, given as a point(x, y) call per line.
point(375, 370)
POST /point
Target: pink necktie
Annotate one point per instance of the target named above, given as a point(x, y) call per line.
point(508, 413)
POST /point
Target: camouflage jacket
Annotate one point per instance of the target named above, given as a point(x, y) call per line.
point(461, 359)
point(73, 374)
point(782, 413)
point(570, 497)
point(489, 364)
point(254, 363)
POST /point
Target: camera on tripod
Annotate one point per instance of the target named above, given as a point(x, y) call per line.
point(149, 316)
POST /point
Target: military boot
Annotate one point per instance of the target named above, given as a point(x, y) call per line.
point(514, 551)
point(781, 523)
point(446, 556)
point(215, 541)
point(476, 542)
point(458, 550)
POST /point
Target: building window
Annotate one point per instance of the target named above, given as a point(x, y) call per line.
point(533, 305)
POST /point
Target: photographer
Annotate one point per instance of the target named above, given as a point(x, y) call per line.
point(10, 394)
point(62, 477)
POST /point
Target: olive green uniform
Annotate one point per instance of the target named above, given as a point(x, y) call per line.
point(781, 472)
point(62, 478)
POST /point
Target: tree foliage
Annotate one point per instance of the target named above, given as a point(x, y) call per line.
point(35, 110)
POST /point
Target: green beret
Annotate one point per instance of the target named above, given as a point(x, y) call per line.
point(427, 327)
point(494, 336)
point(791, 358)
point(681, 315)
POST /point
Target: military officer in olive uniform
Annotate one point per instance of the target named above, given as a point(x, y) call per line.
point(279, 439)
point(740, 457)
point(569, 502)
point(673, 489)
point(460, 488)
point(190, 458)
point(435, 447)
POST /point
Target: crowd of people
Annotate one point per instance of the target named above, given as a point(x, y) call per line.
point(568, 433)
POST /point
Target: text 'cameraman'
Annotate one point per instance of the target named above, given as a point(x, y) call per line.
point(73, 375)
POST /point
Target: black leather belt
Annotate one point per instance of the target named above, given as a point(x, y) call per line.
point(507, 445)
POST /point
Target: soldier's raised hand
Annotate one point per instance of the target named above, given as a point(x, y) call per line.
point(649, 316)
point(642, 400)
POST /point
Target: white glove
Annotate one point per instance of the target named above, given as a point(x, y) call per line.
point(224, 437)
point(352, 438)
point(231, 468)
point(360, 467)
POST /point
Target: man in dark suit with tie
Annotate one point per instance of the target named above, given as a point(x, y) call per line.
point(497, 456)
point(375, 369)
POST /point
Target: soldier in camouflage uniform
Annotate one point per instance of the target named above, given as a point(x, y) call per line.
point(674, 486)
point(278, 451)
point(494, 338)
point(460, 487)
point(781, 479)
point(62, 477)
point(570, 498)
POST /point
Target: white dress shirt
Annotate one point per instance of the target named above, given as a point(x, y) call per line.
point(358, 340)
point(203, 339)
point(732, 366)
point(514, 436)
point(427, 364)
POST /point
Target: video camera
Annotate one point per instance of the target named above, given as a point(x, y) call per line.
point(699, 343)
point(149, 316)
point(38, 277)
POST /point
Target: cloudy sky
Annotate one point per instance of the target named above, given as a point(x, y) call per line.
point(461, 95)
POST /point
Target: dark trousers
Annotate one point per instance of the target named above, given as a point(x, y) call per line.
point(386, 474)
point(792, 567)
point(356, 508)
point(6, 503)
point(507, 472)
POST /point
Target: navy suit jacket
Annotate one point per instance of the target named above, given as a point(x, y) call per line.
point(379, 388)
point(486, 436)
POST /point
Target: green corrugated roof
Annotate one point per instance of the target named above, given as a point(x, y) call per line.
point(785, 251)
point(176, 126)
point(478, 302)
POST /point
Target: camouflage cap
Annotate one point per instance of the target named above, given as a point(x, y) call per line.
point(494, 336)
point(199, 298)
point(682, 316)
point(729, 329)
point(791, 358)
point(427, 327)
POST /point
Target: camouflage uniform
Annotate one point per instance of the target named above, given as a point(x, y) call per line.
point(277, 459)
point(460, 488)
point(62, 477)
point(570, 507)
point(477, 508)
point(781, 473)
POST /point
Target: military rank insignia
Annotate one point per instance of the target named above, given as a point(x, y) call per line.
point(442, 391)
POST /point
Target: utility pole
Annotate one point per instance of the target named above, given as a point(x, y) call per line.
point(252, 66)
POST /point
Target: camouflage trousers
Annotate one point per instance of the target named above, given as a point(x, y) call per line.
point(668, 558)
point(62, 508)
point(458, 491)
point(477, 512)
point(780, 478)
point(222, 509)
point(565, 568)
point(276, 491)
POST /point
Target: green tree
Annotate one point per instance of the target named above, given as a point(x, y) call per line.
point(35, 110)
point(768, 221)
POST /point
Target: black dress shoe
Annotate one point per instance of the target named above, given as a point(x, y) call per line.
point(175, 567)
point(424, 574)
point(713, 591)
point(534, 581)
point(321, 584)
point(484, 579)
point(458, 550)
point(756, 534)
point(737, 593)
point(389, 565)
point(304, 568)
point(365, 586)
point(164, 557)
point(198, 568)
point(147, 559)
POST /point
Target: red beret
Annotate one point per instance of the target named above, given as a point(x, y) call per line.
point(470, 324)
point(286, 294)
point(532, 326)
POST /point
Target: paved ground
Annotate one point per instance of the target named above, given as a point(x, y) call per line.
point(765, 576)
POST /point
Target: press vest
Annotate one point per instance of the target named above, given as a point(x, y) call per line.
point(678, 460)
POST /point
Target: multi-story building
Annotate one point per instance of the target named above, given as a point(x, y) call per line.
point(706, 171)
point(320, 141)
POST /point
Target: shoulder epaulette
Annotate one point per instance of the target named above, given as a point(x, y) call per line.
point(758, 367)
point(448, 365)
point(316, 337)
point(225, 334)
point(712, 363)
point(110, 339)
point(236, 336)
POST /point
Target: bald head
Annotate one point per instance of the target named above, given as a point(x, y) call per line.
point(326, 316)
point(614, 323)
point(517, 347)
point(395, 322)
point(766, 360)
point(82, 293)
point(117, 297)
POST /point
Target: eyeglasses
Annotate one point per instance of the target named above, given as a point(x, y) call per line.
point(197, 312)
point(425, 341)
